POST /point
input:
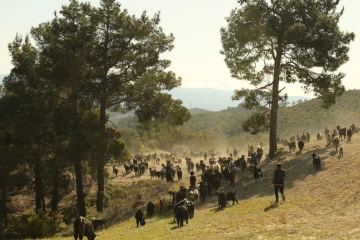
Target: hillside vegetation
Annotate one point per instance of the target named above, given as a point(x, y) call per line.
point(319, 205)
point(224, 128)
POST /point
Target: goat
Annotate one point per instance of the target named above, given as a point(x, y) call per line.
point(83, 227)
point(179, 174)
point(257, 173)
point(231, 196)
point(215, 184)
point(349, 133)
point(115, 171)
point(127, 168)
point(222, 199)
point(316, 162)
point(139, 216)
point(194, 194)
point(341, 151)
point(335, 143)
point(150, 208)
point(182, 213)
point(301, 145)
point(98, 222)
point(292, 146)
point(342, 132)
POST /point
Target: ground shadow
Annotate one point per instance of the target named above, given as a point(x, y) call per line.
point(272, 206)
point(217, 209)
point(333, 153)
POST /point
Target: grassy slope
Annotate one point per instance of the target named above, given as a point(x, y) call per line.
point(319, 205)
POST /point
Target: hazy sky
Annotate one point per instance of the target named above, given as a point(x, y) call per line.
point(196, 26)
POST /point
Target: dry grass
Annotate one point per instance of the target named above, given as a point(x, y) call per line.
point(319, 205)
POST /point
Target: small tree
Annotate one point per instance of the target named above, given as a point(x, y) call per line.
point(300, 39)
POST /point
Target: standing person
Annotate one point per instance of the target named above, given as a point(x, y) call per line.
point(168, 171)
point(192, 179)
point(278, 182)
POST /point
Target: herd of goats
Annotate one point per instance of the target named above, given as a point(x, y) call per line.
point(183, 200)
point(221, 169)
point(333, 138)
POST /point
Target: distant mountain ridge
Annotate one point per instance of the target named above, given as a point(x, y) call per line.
point(205, 98)
point(212, 99)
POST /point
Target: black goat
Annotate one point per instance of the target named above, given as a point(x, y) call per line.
point(182, 214)
point(222, 199)
point(139, 216)
point(349, 133)
point(115, 171)
point(216, 183)
point(83, 227)
point(98, 222)
point(257, 173)
point(127, 168)
point(342, 132)
point(301, 145)
point(231, 196)
point(316, 163)
point(179, 174)
point(150, 208)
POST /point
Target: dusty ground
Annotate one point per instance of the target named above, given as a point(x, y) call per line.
point(321, 204)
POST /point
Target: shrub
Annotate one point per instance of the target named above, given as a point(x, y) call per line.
point(39, 225)
point(153, 144)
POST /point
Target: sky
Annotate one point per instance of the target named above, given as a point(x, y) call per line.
point(196, 26)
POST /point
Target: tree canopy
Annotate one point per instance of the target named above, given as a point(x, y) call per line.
point(70, 72)
point(275, 42)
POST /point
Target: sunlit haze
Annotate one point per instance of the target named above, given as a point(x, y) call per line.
point(196, 26)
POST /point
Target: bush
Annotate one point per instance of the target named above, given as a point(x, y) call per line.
point(153, 144)
point(39, 225)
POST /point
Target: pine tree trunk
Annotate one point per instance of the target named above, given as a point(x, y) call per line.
point(76, 158)
point(38, 185)
point(100, 162)
point(274, 109)
point(79, 185)
point(3, 205)
point(55, 190)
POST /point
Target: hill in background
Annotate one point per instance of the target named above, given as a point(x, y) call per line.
point(212, 99)
point(305, 116)
point(200, 98)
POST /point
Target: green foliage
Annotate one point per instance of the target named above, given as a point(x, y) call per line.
point(225, 127)
point(300, 40)
point(310, 116)
point(153, 144)
point(39, 225)
point(132, 139)
point(257, 122)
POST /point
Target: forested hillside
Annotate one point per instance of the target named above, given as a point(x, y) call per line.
point(306, 116)
point(309, 116)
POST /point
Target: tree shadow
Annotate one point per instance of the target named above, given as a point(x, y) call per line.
point(272, 206)
point(215, 210)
